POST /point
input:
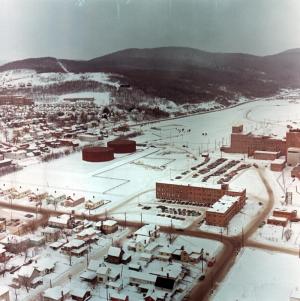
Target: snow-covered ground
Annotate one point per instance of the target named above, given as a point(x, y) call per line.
point(14, 78)
point(101, 98)
point(260, 275)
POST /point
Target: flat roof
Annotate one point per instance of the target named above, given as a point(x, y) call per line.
point(275, 218)
point(293, 149)
point(200, 185)
point(265, 152)
point(278, 161)
point(223, 204)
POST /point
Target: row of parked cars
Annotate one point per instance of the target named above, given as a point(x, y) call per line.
point(227, 177)
point(182, 202)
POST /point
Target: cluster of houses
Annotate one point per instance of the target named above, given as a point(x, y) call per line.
point(56, 235)
point(62, 200)
point(41, 129)
point(154, 267)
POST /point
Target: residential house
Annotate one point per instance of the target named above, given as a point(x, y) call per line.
point(72, 202)
point(28, 276)
point(4, 293)
point(93, 204)
point(150, 230)
point(108, 226)
point(2, 254)
point(61, 221)
point(118, 297)
point(88, 235)
point(114, 255)
point(138, 278)
point(56, 293)
point(102, 274)
point(45, 266)
point(15, 243)
point(51, 234)
point(141, 242)
point(75, 247)
point(80, 294)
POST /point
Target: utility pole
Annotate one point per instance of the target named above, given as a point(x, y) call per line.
point(202, 259)
point(170, 236)
point(242, 236)
point(125, 220)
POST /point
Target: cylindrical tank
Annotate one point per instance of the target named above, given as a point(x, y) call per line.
point(97, 154)
point(121, 146)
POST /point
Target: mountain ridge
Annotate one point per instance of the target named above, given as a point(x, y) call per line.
point(185, 74)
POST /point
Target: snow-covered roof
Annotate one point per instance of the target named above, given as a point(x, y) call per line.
point(172, 270)
point(89, 275)
point(109, 223)
point(265, 152)
point(79, 292)
point(283, 209)
point(57, 244)
point(87, 232)
point(61, 219)
point(277, 218)
point(44, 264)
point(167, 249)
point(26, 271)
point(56, 292)
point(293, 150)
point(74, 243)
point(114, 251)
point(144, 240)
point(278, 161)
point(13, 239)
point(3, 290)
point(50, 230)
point(223, 204)
point(142, 276)
point(118, 296)
point(145, 230)
point(103, 270)
point(94, 264)
point(200, 185)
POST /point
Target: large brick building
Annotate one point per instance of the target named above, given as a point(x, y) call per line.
point(217, 196)
point(15, 100)
point(248, 143)
point(223, 210)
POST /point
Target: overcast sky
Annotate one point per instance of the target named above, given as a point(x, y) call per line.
point(84, 29)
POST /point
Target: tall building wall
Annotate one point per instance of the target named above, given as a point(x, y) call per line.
point(293, 138)
point(248, 143)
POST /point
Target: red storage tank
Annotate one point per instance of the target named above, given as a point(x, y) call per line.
point(121, 146)
point(97, 154)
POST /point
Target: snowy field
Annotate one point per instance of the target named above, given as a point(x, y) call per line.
point(176, 147)
point(101, 98)
point(260, 275)
point(24, 76)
